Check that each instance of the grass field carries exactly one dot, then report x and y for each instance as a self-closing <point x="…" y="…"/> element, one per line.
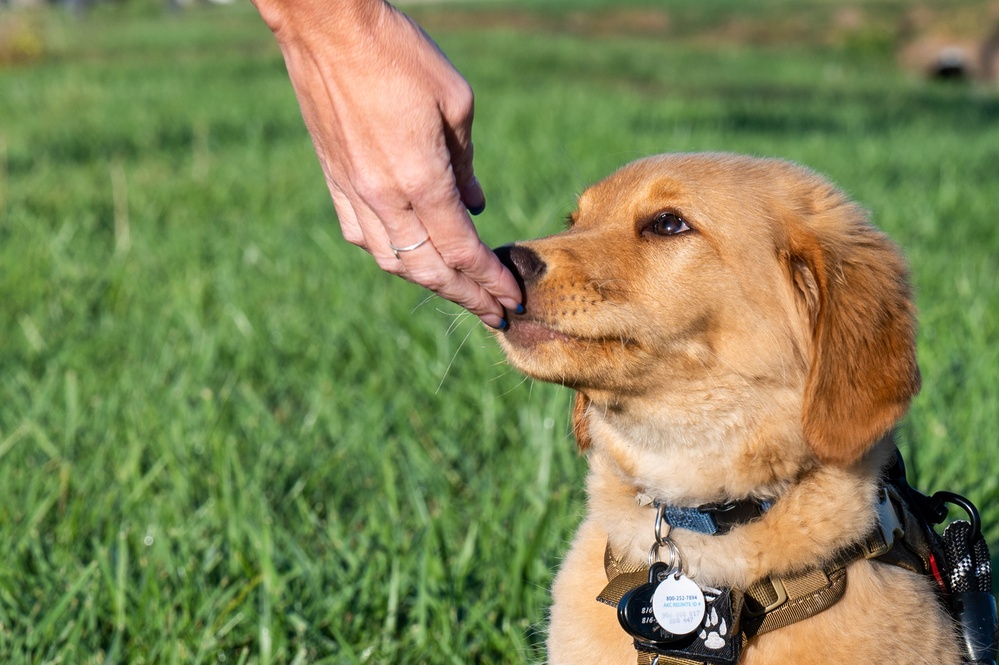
<point x="225" y="436"/>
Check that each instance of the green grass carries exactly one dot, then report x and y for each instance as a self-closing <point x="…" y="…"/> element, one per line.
<point x="225" y="436"/>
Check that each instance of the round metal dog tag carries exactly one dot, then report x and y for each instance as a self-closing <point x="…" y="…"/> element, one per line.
<point x="678" y="604"/>
<point x="634" y="612"/>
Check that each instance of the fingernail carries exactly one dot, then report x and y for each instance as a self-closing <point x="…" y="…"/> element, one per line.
<point x="520" y="309"/>
<point x="510" y="305"/>
<point x="473" y="197"/>
<point x="495" y="322"/>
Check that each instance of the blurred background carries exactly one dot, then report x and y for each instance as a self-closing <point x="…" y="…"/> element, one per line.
<point x="225" y="436"/>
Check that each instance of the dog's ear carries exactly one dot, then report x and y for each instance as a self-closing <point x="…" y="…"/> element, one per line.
<point x="581" y="422"/>
<point x="863" y="373"/>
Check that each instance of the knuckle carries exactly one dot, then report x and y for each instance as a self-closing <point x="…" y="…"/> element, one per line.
<point x="438" y="281"/>
<point x="464" y="99"/>
<point x="413" y="185"/>
<point x="389" y="264"/>
<point x="426" y="183"/>
<point x="438" y="284"/>
<point x="364" y="180"/>
<point x="388" y="193"/>
<point x="462" y="258"/>
<point x="354" y="237"/>
<point x="372" y="186"/>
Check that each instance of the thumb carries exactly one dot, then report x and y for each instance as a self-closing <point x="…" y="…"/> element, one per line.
<point x="469" y="188"/>
<point x="458" y="137"/>
<point x="472" y="196"/>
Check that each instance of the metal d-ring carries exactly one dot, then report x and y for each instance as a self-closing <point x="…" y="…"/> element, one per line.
<point x="943" y="497"/>
<point x="662" y="538"/>
<point x="675" y="563"/>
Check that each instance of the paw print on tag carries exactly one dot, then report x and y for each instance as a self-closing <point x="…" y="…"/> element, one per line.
<point x="715" y="631"/>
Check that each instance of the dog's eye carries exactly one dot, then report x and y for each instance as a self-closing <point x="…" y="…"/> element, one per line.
<point x="667" y="224"/>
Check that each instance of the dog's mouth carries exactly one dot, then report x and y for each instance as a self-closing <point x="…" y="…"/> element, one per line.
<point x="529" y="332"/>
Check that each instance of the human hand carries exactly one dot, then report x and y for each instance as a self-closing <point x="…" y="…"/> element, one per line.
<point x="391" y="120"/>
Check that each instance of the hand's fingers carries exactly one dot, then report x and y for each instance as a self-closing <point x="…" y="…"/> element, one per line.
<point x="481" y="265"/>
<point x="349" y="226"/>
<point x="422" y="265"/>
<point x="461" y="151"/>
<point x="459" y="266"/>
<point x="431" y="193"/>
<point x="457" y="130"/>
<point x="458" y="244"/>
<point x="472" y="196"/>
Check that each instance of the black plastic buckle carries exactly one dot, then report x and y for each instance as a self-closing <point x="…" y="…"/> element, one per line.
<point x="729" y="515"/>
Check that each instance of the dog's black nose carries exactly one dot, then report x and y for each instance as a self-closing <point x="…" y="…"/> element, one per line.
<point x="523" y="262"/>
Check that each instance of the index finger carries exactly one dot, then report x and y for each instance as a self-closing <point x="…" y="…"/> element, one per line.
<point x="457" y="241"/>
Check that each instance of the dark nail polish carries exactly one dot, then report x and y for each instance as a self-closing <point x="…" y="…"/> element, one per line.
<point x="503" y="325"/>
<point x="520" y="309"/>
<point x="477" y="210"/>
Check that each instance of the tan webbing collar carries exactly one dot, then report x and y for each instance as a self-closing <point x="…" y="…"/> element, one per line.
<point x="775" y="601"/>
<point x="769" y="604"/>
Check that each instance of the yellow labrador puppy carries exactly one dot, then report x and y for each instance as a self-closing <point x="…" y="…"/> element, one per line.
<point x="738" y="333"/>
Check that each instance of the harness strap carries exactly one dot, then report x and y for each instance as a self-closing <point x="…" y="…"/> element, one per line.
<point x="904" y="536"/>
<point x="621" y="578"/>
<point x="769" y="604"/>
<point x="773" y="603"/>
<point x="777" y="601"/>
<point x="649" y="658"/>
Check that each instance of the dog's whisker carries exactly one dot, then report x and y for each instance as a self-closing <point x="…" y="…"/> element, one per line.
<point x="455" y="355"/>
<point x="457" y="321"/>
<point x="518" y="385"/>
<point x="609" y="286"/>
<point x="497" y="377"/>
<point x="423" y="302"/>
<point x="579" y="176"/>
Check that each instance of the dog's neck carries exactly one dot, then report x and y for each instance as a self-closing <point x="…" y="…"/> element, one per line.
<point x="727" y="450"/>
<point x="817" y="509"/>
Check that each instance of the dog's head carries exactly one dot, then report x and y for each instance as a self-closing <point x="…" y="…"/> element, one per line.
<point x="710" y="283"/>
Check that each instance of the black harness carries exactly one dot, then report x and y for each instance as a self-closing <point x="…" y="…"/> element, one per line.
<point x="958" y="560"/>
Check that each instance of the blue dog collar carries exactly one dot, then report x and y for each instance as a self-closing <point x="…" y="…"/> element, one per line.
<point x="716" y="518"/>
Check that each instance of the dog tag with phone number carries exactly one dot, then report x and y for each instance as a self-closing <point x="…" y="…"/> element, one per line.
<point x="668" y="607"/>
